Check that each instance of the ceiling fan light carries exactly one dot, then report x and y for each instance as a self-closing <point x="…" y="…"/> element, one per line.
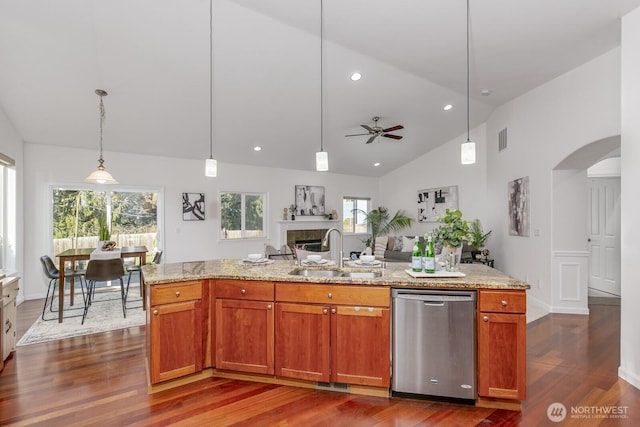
<point x="468" y="152"/>
<point x="211" y="167"/>
<point x="322" y="161"/>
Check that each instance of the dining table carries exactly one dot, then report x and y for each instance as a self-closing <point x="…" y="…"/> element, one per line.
<point x="79" y="254"/>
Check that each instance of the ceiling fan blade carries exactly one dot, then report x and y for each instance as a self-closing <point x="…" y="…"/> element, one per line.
<point x="358" y="134"/>
<point x="391" y="129"/>
<point x="371" y="139"/>
<point x="367" y="128"/>
<point x="386" y="135"/>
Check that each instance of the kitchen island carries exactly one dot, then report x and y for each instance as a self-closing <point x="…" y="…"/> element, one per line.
<point x="261" y="322"/>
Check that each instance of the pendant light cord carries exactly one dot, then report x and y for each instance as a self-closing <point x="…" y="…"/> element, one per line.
<point x="102" y="116"/>
<point x="211" y="79"/>
<point x="321" y="79"/>
<point x="468" y="132"/>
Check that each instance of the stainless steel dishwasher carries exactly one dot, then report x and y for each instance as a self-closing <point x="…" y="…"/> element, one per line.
<point x="434" y="342"/>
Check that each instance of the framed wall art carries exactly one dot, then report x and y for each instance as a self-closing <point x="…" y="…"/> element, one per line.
<point x="193" y="206"/>
<point x="519" y="207"/>
<point x="433" y="202"/>
<point x="309" y="200"/>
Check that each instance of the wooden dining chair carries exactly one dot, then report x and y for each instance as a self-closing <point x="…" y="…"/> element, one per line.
<point x="103" y="270"/>
<point x="53" y="274"/>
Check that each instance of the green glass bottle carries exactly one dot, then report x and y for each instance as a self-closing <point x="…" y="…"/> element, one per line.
<point x="429" y="257"/>
<point x="416" y="256"/>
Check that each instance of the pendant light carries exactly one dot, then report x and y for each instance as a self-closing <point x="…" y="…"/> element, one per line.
<point x="468" y="149"/>
<point x="101" y="176"/>
<point x="211" y="164"/>
<point x="322" y="157"/>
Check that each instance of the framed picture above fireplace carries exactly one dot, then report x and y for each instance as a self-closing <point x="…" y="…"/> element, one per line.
<point x="309" y="200"/>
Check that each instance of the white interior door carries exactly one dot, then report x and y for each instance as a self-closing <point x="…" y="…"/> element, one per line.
<point x="604" y="235"/>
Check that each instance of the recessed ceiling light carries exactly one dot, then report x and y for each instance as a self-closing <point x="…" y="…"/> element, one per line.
<point x="376" y="164"/>
<point x="356" y="76"/>
<point x="257" y="148"/>
<point x="485" y="92"/>
<point x="447" y="107"/>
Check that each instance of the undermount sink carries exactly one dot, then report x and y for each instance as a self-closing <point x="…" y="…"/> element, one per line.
<point x="315" y="273"/>
<point x="336" y="273"/>
<point x="361" y="274"/>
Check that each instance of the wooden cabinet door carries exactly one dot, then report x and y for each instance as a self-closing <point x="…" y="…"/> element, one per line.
<point x="302" y="341"/>
<point x="360" y="348"/>
<point x="502" y="355"/>
<point x="244" y="336"/>
<point x="176" y="340"/>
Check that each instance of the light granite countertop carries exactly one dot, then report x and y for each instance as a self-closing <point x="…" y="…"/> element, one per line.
<point x="477" y="276"/>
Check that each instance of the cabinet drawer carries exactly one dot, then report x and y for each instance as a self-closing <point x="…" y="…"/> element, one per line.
<point x="9" y="290"/>
<point x="240" y="289"/>
<point x="374" y="296"/>
<point x="176" y="292"/>
<point x="502" y="301"/>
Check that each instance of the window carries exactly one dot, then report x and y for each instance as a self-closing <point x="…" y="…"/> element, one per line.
<point x="7" y="215"/>
<point x="354" y="212"/>
<point x="242" y="215"/>
<point x="132" y="217"/>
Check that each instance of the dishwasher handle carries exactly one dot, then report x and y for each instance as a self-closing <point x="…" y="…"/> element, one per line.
<point x="434" y="303"/>
<point x="435" y="298"/>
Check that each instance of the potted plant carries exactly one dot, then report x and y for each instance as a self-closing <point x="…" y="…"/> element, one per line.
<point x="453" y="231"/>
<point x="103" y="230"/>
<point x="382" y="223"/>
<point x="477" y="238"/>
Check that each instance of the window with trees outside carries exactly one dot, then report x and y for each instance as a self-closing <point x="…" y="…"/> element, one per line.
<point x="8" y="233"/>
<point x="354" y="213"/>
<point x="131" y="216"/>
<point x="242" y="215"/>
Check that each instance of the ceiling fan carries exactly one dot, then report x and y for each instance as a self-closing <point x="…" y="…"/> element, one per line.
<point x="376" y="131"/>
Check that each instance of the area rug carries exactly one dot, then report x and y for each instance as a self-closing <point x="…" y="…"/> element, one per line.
<point x="105" y="314"/>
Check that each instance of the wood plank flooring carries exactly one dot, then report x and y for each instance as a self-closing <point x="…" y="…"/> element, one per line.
<point x="99" y="380"/>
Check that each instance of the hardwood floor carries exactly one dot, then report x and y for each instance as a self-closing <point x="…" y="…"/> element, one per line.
<point x="100" y="380"/>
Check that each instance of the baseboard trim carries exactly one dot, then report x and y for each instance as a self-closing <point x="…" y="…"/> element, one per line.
<point x="629" y="377"/>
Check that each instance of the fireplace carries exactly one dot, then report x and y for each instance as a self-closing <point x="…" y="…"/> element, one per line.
<point x="309" y="232"/>
<point x="309" y="240"/>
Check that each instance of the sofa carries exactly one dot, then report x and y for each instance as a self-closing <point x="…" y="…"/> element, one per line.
<point x="399" y="248"/>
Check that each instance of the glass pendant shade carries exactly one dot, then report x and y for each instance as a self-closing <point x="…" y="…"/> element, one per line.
<point x="322" y="161"/>
<point x="468" y="152"/>
<point x="100" y="176"/>
<point x="211" y="167"/>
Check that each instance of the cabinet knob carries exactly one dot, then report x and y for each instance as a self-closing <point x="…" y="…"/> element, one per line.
<point x="243" y="291"/>
<point x="155" y="312"/>
<point x="485" y="318"/>
<point x="329" y="295"/>
<point x="177" y="294"/>
<point x="333" y="311"/>
<point x="504" y="303"/>
<point x="324" y="311"/>
<point x="269" y="307"/>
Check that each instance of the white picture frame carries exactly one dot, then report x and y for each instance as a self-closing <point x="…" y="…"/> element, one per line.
<point x="433" y="202"/>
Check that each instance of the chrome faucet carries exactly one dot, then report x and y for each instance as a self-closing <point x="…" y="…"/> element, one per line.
<point x="326" y="240"/>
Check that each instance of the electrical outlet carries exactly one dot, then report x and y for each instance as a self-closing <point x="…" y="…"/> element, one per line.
<point x="539" y="283"/>
<point x="536" y="232"/>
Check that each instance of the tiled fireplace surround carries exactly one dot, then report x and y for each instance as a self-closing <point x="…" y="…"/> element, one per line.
<point x="309" y="229"/>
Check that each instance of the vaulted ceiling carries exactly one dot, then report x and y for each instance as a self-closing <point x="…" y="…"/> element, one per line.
<point x="152" y="56"/>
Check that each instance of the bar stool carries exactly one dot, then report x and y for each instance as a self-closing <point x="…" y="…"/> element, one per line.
<point x="138" y="269"/>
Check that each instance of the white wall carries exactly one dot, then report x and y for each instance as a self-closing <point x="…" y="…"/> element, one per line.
<point x="545" y="126"/>
<point x="440" y="168"/>
<point x="630" y="206"/>
<point x="182" y="240"/>
<point x="11" y="145"/>
<point x="605" y="168"/>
